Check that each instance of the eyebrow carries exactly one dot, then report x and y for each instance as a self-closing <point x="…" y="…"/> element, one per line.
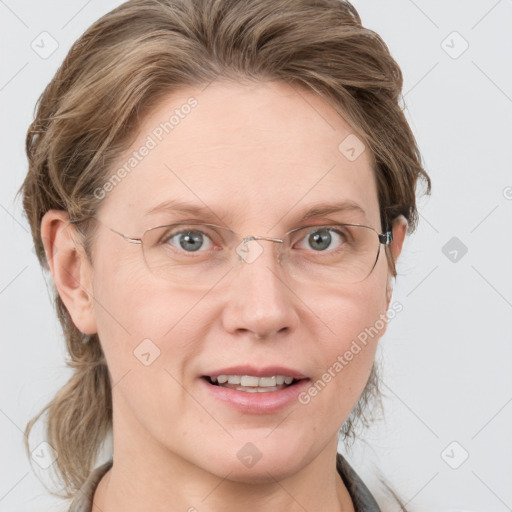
<point x="315" y="210"/>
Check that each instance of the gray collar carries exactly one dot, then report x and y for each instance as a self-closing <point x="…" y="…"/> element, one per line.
<point x="360" y="494"/>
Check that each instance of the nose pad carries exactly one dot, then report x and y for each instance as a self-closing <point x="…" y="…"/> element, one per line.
<point x="249" y="250"/>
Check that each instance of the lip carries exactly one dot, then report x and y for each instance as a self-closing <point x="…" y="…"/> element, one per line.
<point x="267" y="371"/>
<point x="257" y="403"/>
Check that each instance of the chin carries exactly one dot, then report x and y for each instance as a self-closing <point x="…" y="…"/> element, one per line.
<point x="254" y="463"/>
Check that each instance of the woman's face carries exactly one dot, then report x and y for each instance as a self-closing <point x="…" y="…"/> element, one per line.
<point x="256" y="158"/>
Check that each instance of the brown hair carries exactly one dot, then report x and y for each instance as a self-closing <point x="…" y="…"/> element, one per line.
<point x="142" y="51"/>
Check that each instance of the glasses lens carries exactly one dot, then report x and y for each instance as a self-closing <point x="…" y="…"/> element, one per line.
<point x="192" y="255"/>
<point x="199" y="255"/>
<point x="333" y="254"/>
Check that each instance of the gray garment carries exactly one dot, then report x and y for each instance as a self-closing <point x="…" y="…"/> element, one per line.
<point x="361" y="496"/>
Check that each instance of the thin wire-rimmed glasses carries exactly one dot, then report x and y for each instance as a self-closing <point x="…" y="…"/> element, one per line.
<point x="196" y="254"/>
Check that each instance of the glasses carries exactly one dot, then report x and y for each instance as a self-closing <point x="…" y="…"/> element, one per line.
<point x="197" y="255"/>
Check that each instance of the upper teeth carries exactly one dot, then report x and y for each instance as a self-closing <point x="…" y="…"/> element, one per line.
<point x="249" y="380"/>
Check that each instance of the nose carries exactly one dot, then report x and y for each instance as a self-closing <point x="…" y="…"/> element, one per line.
<point x="259" y="299"/>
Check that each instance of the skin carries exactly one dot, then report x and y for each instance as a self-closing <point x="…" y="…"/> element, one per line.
<point x="175" y="452"/>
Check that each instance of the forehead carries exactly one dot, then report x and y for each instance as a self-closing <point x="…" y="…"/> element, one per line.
<point x="261" y="152"/>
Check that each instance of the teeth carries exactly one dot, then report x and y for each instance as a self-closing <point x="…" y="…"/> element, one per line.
<point x="267" y="381"/>
<point x="259" y="390"/>
<point x="250" y="381"/>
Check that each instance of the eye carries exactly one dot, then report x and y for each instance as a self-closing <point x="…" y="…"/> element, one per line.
<point x="323" y="238"/>
<point x="190" y="240"/>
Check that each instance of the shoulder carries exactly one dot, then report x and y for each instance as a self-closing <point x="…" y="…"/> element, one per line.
<point x="82" y="502"/>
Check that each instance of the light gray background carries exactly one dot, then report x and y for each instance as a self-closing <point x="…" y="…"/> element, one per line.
<point x="447" y="355"/>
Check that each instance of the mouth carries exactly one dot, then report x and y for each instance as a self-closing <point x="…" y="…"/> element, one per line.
<point x="252" y="383"/>
<point x="253" y="390"/>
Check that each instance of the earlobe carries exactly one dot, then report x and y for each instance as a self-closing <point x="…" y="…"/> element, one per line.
<point x="69" y="267"/>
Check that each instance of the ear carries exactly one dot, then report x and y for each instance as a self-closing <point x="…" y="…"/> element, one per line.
<point x="70" y="268"/>
<point x="399" y="229"/>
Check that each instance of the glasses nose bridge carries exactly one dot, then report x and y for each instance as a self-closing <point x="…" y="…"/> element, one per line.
<point x="255" y="237"/>
<point x="248" y="255"/>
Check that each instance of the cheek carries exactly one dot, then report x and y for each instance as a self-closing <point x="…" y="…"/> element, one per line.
<point x="356" y="319"/>
<point x="124" y="305"/>
<point x="356" y="310"/>
<point x="138" y="314"/>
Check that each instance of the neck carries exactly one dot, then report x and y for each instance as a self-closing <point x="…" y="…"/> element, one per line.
<point x="147" y="476"/>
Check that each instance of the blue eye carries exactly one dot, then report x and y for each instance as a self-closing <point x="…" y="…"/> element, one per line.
<point x="321" y="239"/>
<point x="190" y="240"/>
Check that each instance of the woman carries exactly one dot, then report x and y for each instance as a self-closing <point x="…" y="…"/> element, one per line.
<point x="220" y="191"/>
